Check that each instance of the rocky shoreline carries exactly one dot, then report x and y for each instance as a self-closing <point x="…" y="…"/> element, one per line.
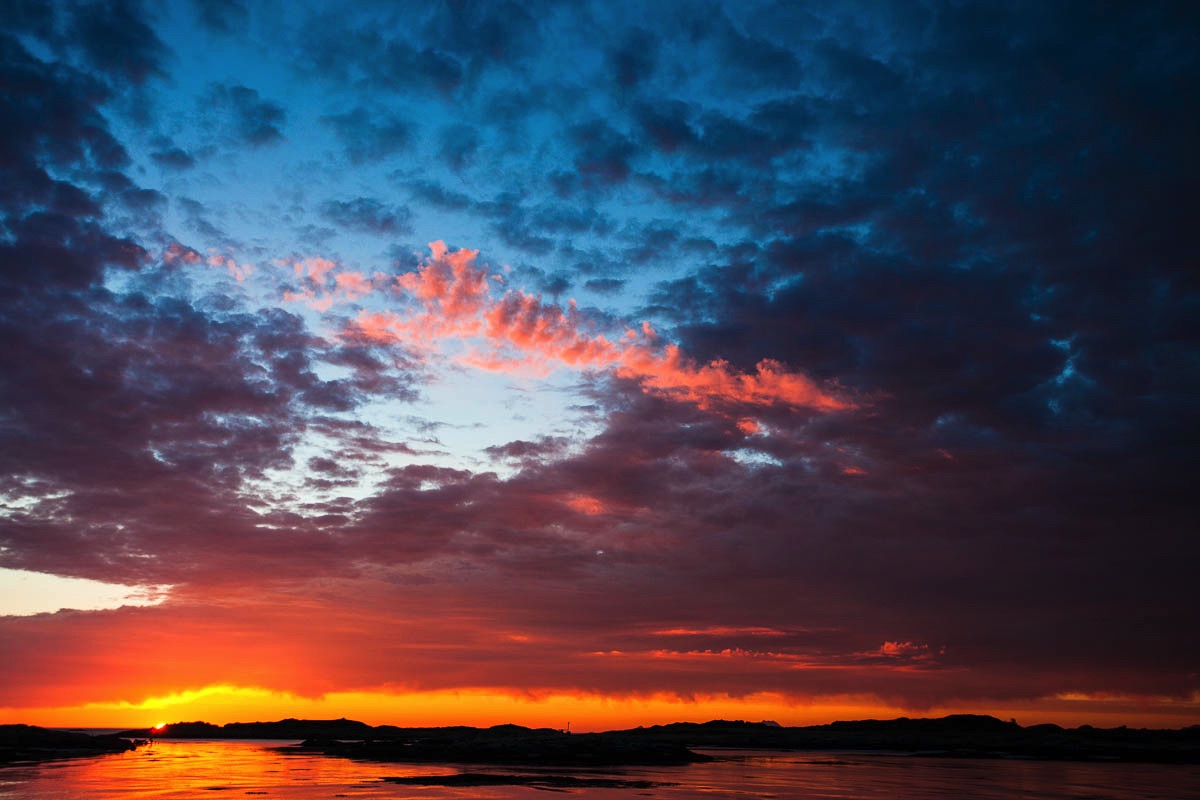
<point x="962" y="735"/>
<point x="30" y="744"/>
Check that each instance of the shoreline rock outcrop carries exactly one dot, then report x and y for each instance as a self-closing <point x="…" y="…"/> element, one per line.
<point x="31" y="744"/>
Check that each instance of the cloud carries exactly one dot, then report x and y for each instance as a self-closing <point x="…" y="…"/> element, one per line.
<point x="368" y="215"/>
<point x="173" y="158"/>
<point x="440" y="53"/>
<point x="116" y="40"/>
<point x="248" y="118"/>
<point x="449" y="297"/>
<point x="633" y="61"/>
<point x="439" y="196"/>
<point x="602" y="154"/>
<point x="459" y="144"/>
<point x="222" y="16"/>
<point x="370" y="137"/>
<point x="604" y="285"/>
<point x="38" y="19"/>
<point x="519" y="449"/>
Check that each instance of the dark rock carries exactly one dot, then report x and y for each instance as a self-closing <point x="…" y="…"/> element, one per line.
<point x="536" y="781"/>
<point x="510" y="744"/>
<point x="959" y="735"/>
<point x="20" y="743"/>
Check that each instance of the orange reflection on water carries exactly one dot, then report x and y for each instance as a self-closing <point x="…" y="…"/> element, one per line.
<point x="192" y="768"/>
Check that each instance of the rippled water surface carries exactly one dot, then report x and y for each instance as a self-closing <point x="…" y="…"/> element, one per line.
<point x="215" y="769"/>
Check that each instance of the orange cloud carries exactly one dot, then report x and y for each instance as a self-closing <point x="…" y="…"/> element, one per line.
<point x="586" y="505"/>
<point x="722" y="630"/>
<point x="450" y="298"/>
<point x="748" y="426"/>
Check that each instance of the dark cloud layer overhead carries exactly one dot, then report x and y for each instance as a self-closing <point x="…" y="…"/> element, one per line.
<point x="815" y="350"/>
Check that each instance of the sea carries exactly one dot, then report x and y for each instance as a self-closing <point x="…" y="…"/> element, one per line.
<point x="168" y="769"/>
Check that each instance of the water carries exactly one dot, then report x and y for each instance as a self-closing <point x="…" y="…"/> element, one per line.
<point x="213" y="769"/>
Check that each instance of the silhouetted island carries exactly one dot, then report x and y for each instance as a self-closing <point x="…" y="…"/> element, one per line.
<point x="960" y="735"/>
<point x="28" y="743"/>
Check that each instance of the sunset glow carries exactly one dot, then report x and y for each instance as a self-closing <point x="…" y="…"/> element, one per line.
<point x="605" y="364"/>
<point x="478" y="707"/>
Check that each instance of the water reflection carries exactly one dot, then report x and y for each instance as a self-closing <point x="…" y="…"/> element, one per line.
<point x="189" y="769"/>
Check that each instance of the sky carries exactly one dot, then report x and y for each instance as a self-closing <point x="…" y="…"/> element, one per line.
<point x="598" y="362"/>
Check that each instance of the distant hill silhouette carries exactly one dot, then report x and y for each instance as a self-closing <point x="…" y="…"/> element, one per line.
<point x="959" y="735"/>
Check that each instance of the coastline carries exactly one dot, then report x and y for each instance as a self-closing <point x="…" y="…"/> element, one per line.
<point x="956" y="736"/>
<point x="26" y="744"/>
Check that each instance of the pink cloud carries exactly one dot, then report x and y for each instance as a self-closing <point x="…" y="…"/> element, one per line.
<point x="176" y="252"/>
<point x="239" y="272"/>
<point x="451" y="297"/>
<point x="315" y="302"/>
<point x="352" y="285"/>
<point x="586" y="505"/>
<point x="314" y="268"/>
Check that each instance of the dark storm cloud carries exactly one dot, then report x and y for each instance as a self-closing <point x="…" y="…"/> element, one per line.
<point x="604" y="285"/>
<point x="842" y="545"/>
<point x="458" y="145"/>
<point x="537" y="228"/>
<point x="602" y="154"/>
<point x="440" y="50"/>
<point x="367" y="214"/>
<point x="142" y="414"/>
<point x="633" y="61"/>
<point x="522" y="450"/>
<point x="199" y="218"/>
<point x="126" y="195"/>
<point x="170" y="156"/>
<point x="751" y="61"/>
<point x="438" y="196"/>
<point x="373" y="372"/>
<point x="116" y="39"/>
<point x="31" y="16"/>
<point x="985" y="239"/>
<point x="667" y="124"/>
<point x="248" y="118"/>
<point x="222" y="16"/>
<point x="485" y="35"/>
<point x="147" y="400"/>
<point x="53" y="235"/>
<point x="653" y="241"/>
<point x="980" y="252"/>
<point x="335" y="47"/>
<point x="369" y="137"/>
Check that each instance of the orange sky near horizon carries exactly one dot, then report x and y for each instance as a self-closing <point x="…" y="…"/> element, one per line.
<point x="220" y="704"/>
